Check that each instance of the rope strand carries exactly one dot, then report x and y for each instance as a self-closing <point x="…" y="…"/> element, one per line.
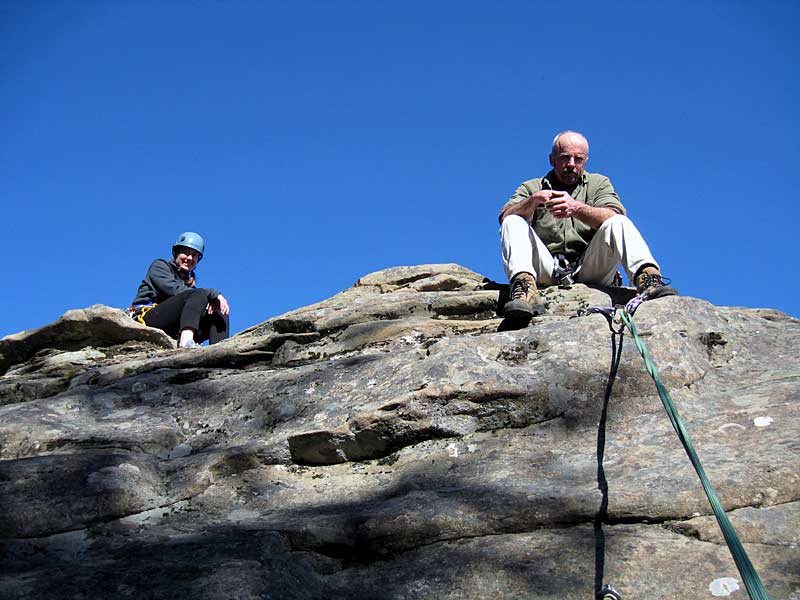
<point x="752" y="582"/>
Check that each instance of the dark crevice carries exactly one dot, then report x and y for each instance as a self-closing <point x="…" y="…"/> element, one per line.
<point x="360" y="554"/>
<point x="695" y="535"/>
<point x="55" y="448"/>
<point x="324" y="448"/>
<point x="103" y="520"/>
<point x="681" y="527"/>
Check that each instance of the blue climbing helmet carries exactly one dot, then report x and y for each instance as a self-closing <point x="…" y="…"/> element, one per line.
<point x="190" y="239"/>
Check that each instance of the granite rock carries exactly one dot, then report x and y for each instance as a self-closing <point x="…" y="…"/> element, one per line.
<point x="397" y="441"/>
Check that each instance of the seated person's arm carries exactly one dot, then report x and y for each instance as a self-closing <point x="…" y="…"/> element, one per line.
<point x="594" y="216"/>
<point x="602" y="206"/>
<point x="524" y="203"/>
<point x="164" y="279"/>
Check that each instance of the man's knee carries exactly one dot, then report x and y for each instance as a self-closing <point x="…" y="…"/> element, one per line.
<point x="514" y="221"/>
<point x="615" y="222"/>
<point x="619" y="228"/>
<point x="514" y="227"/>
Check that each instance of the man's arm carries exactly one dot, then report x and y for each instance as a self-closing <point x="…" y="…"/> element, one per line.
<point x="561" y="205"/>
<point x="526" y="207"/>
<point x="520" y="203"/>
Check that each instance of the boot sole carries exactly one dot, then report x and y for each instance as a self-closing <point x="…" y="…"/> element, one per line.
<point x="519" y="310"/>
<point x="662" y="292"/>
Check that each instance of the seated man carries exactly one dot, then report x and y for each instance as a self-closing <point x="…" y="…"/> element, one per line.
<point x="571" y="224"/>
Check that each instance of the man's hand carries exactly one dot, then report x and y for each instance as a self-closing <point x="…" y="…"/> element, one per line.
<point x="561" y="205"/>
<point x="219" y="305"/>
<point x="526" y="208"/>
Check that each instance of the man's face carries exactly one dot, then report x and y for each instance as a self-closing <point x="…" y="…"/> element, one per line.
<point x="569" y="158"/>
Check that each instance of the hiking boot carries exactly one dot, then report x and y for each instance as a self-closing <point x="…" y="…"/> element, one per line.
<point x="525" y="301"/>
<point x="651" y="285"/>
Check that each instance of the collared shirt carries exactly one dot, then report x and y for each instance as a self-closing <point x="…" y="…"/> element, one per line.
<point x="568" y="236"/>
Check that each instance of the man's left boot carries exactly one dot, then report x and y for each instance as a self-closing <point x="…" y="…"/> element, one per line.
<point x="650" y="284"/>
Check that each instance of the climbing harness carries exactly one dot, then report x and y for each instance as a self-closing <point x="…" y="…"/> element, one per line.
<point x="623" y="318"/>
<point x="565" y="270"/>
<point x="138" y="311"/>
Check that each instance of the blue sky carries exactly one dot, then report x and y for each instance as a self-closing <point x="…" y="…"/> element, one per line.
<point x="314" y="142"/>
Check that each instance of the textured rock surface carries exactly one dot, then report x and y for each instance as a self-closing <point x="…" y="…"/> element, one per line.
<point x="41" y="362"/>
<point x="394" y="442"/>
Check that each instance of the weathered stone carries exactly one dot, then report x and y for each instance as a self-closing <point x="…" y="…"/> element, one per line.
<point x="774" y="525"/>
<point x="387" y="335"/>
<point x="394" y="442"/>
<point x="31" y="387"/>
<point x="98" y="326"/>
<point x="344" y="310"/>
<point x="46" y="374"/>
<point x="559" y="564"/>
<point x="87" y="487"/>
<point x="439" y="277"/>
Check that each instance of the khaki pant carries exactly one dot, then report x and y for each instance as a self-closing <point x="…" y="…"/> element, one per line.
<point x="617" y="242"/>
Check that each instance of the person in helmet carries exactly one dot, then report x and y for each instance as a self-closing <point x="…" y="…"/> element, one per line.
<point x="168" y="298"/>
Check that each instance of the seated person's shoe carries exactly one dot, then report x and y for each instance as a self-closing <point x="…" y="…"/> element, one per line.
<point x="525" y="301"/>
<point x="651" y="285"/>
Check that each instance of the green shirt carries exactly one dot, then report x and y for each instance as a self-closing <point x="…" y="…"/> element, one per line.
<point x="568" y="236"/>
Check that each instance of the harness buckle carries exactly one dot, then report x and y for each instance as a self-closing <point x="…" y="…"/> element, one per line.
<point x="564" y="271"/>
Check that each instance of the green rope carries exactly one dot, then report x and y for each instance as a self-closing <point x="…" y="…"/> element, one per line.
<point x="749" y="575"/>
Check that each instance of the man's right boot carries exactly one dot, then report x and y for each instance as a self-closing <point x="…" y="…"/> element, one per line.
<point x="525" y="301"/>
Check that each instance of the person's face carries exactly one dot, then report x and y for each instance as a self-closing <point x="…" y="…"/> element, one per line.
<point x="568" y="159"/>
<point x="186" y="258"/>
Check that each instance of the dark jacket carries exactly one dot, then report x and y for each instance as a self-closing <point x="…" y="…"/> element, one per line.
<point x="163" y="280"/>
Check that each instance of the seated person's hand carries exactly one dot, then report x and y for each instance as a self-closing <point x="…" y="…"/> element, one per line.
<point x="219" y="305"/>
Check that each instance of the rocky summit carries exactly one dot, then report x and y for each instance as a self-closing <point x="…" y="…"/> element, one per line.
<point x="397" y="441"/>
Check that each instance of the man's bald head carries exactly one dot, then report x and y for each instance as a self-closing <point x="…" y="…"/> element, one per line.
<point x="568" y="157"/>
<point x="569" y="137"/>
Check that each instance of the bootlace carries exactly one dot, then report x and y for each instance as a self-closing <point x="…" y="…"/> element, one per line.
<point x="649" y="280"/>
<point x="520" y="288"/>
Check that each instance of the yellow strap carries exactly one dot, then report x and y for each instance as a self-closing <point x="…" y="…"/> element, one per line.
<point x="141" y="311"/>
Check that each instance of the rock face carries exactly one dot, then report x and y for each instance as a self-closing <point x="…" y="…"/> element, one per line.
<point x="41" y="362"/>
<point x="394" y="442"/>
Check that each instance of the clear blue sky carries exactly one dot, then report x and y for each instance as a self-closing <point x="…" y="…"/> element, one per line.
<point x="313" y="142"/>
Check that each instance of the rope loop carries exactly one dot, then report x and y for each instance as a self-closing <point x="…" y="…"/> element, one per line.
<point x="610" y="313"/>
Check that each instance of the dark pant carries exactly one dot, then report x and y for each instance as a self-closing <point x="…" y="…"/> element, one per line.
<point x="187" y="310"/>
